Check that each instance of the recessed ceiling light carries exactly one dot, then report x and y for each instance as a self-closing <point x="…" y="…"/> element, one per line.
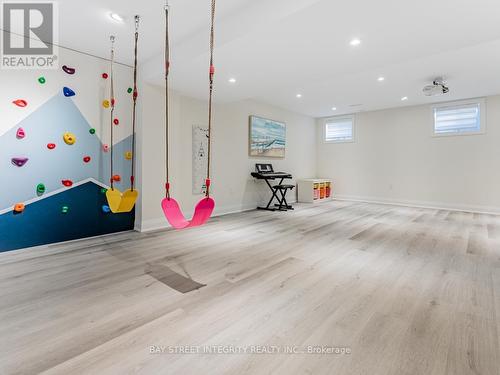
<point x="298" y="96"/>
<point x="404" y="98"/>
<point x="232" y="80"/>
<point x="355" y="42"/>
<point x="116" y="17"/>
<point x="381" y="79"/>
<point x="334" y="108"/>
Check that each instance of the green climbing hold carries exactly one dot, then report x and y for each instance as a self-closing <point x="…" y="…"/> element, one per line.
<point x="42" y="80"/>
<point x="103" y="191"/>
<point x="129" y="90"/>
<point x="92" y="131"/>
<point x="65" y="209"/>
<point x="40" y="189"/>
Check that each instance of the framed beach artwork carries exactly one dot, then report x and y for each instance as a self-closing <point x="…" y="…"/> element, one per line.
<point x="267" y="138"/>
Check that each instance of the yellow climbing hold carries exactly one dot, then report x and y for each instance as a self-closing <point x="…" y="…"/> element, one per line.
<point x="105" y="103"/>
<point x="69" y="138"/>
<point x="128" y="155"/>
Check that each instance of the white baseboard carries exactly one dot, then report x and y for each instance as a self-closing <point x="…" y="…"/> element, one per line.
<point x="492" y="210"/>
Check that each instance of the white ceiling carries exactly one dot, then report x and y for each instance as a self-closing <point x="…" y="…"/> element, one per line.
<point x="278" y="48"/>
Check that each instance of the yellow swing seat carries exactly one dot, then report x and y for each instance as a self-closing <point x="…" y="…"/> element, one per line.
<point x="119" y="202"/>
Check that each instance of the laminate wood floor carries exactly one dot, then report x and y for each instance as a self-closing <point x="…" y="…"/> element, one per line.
<point x="380" y="290"/>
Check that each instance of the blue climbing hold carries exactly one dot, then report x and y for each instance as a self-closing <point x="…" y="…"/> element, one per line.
<point x="106" y="209"/>
<point x="68" y="92"/>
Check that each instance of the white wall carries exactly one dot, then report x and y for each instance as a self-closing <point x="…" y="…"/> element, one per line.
<point x="232" y="186"/>
<point x="396" y="159"/>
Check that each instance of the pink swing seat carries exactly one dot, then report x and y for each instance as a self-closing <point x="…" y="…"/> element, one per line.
<point x="175" y="217"/>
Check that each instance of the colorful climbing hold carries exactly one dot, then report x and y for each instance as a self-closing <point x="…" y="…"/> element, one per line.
<point x="105" y="103"/>
<point x="68" y="70"/>
<point x="67" y="183"/>
<point x="103" y="190"/>
<point x="42" y="80"/>
<point x="129" y="90"/>
<point x="20" y="103"/>
<point x="105" y="148"/>
<point x="105" y="75"/>
<point x="92" y="131"/>
<point x="106" y="209"/>
<point x="40" y="189"/>
<point x="19" y="207"/>
<point x="128" y="155"/>
<point x="86" y="159"/>
<point x="116" y="121"/>
<point x="64" y="209"/>
<point x="51" y="146"/>
<point x="68" y="92"/>
<point x="69" y="138"/>
<point x="19" y="162"/>
<point x="20" y="134"/>
<point x="117" y="178"/>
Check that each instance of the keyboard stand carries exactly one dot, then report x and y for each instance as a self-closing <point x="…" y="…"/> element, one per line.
<point x="282" y="204"/>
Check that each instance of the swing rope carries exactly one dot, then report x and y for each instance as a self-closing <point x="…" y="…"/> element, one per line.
<point x="210" y="98"/>
<point x="134" y="96"/>
<point x="112" y="98"/>
<point x="211" y="88"/>
<point x="167" y="69"/>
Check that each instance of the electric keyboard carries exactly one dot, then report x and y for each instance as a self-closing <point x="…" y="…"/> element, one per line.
<point x="270" y="175"/>
<point x="266" y="172"/>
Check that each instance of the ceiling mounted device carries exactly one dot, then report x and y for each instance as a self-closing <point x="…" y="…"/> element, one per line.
<point x="438" y="87"/>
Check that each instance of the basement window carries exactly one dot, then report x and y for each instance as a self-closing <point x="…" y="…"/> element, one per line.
<point x="339" y="129"/>
<point x="459" y="118"/>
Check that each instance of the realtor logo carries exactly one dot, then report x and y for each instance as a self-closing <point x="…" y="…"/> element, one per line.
<point x="29" y="35"/>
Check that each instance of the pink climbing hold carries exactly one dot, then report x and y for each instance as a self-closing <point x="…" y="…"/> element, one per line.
<point x="105" y="148"/>
<point x="20" y="134"/>
<point x="20" y="103"/>
<point x="86" y="159"/>
<point x="51" y="146"/>
<point x="67" y="183"/>
<point x="19" y="162"/>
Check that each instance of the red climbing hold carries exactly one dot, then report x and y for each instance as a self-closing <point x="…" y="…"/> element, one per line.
<point x="20" y="103"/>
<point x="20" y="134"/>
<point x="51" y="146"/>
<point x="86" y="159"/>
<point x="116" y="121"/>
<point x="105" y="75"/>
<point x="67" y="183"/>
<point x="117" y="178"/>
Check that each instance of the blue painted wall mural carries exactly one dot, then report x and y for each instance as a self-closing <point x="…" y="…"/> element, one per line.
<point x="84" y="163"/>
<point x="44" y="222"/>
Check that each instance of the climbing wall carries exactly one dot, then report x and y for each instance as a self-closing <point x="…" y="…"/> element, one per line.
<point x="55" y="151"/>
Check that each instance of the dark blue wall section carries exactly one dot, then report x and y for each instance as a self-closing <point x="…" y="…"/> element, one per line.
<point x="43" y="222"/>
